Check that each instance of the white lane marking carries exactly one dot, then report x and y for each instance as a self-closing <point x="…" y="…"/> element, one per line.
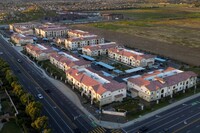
<point x="164" y="124"/>
<point x="184" y="120"/>
<point x="56" y="112"/>
<point x="162" y="118"/>
<point x="54" y="119"/>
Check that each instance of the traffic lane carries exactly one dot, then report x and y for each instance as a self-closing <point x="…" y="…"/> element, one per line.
<point x="55" y="119"/>
<point x="192" y="127"/>
<point x="175" y="122"/>
<point x="167" y="116"/>
<point x="32" y="88"/>
<point x="155" y="119"/>
<point x="62" y="101"/>
<point x="46" y="101"/>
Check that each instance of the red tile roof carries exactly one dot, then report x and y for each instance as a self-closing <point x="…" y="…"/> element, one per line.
<point x="158" y="83"/>
<point x="85" y="38"/>
<point x="97" y="86"/>
<point x="61" y="58"/>
<point x="123" y="52"/>
<point x="97" y="47"/>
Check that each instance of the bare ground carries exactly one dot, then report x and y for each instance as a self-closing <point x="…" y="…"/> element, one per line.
<point x="184" y="54"/>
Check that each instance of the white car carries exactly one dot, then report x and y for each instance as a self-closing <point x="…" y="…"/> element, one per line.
<point x="40" y="96"/>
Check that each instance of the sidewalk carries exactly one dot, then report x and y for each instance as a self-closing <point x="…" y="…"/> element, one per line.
<point x="111" y="125"/>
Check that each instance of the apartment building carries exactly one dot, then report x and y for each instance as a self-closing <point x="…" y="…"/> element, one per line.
<point x="30" y="25"/>
<point x="24" y="30"/>
<point x="60" y="40"/>
<point x="98" y="50"/>
<point x="77" y="33"/>
<point x="157" y="84"/>
<point x="131" y="57"/>
<point x="65" y="61"/>
<point x="21" y="39"/>
<point x="95" y="86"/>
<point x="79" y="42"/>
<point x="51" y="31"/>
<point x="39" y="51"/>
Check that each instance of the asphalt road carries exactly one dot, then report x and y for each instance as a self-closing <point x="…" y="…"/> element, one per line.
<point x="184" y="118"/>
<point x="60" y="110"/>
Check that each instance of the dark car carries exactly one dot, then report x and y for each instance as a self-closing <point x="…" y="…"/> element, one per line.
<point x="165" y="130"/>
<point x="47" y="90"/>
<point x="142" y="129"/>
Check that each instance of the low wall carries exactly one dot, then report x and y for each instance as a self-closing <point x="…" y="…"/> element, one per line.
<point x="114" y="113"/>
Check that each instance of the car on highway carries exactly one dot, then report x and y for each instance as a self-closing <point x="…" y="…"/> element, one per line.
<point x="40" y="96"/>
<point x="47" y="90"/>
<point x="143" y="129"/>
<point x="165" y="130"/>
<point x="18" y="60"/>
<point x="1" y="53"/>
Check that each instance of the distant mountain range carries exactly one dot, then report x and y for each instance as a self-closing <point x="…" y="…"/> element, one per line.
<point x="136" y="1"/>
<point x="154" y="1"/>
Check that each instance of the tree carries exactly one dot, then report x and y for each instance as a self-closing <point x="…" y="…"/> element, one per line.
<point x="9" y="76"/>
<point x="13" y="84"/>
<point x="47" y="131"/>
<point x="18" y="91"/>
<point x="26" y="98"/>
<point x="33" y="109"/>
<point x="40" y="123"/>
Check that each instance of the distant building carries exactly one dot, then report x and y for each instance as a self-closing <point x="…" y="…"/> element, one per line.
<point x="29" y="25"/>
<point x="51" y="31"/>
<point x="21" y="39"/>
<point x="65" y="61"/>
<point x="131" y="57"/>
<point x="39" y="51"/>
<point x="99" y="49"/>
<point x="112" y="16"/>
<point x="95" y="86"/>
<point x="158" y="84"/>
<point x="78" y="33"/>
<point x="24" y="30"/>
<point x="79" y="42"/>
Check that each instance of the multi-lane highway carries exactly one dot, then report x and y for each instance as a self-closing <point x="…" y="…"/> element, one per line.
<point x="184" y="118"/>
<point x="60" y="110"/>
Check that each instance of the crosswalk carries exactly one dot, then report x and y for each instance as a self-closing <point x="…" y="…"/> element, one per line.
<point x="98" y="130"/>
<point x="116" y="131"/>
<point x="103" y="130"/>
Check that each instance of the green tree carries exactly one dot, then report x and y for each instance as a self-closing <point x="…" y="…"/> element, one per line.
<point x="33" y="109"/>
<point x="26" y="98"/>
<point x="40" y="123"/>
<point x="10" y="77"/>
<point x="13" y="84"/>
<point x="18" y="91"/>
<point x="47" y="131"/>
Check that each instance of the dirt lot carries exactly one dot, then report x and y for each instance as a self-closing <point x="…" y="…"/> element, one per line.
<point x="181" y="53"/>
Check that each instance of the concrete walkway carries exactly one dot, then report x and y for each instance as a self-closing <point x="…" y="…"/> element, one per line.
<point x="111" y="125"/>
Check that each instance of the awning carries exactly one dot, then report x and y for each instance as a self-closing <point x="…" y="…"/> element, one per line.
<point x="134" y="70"/>
<point x="88" y="57"/>
<point x="105" y="65"/>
